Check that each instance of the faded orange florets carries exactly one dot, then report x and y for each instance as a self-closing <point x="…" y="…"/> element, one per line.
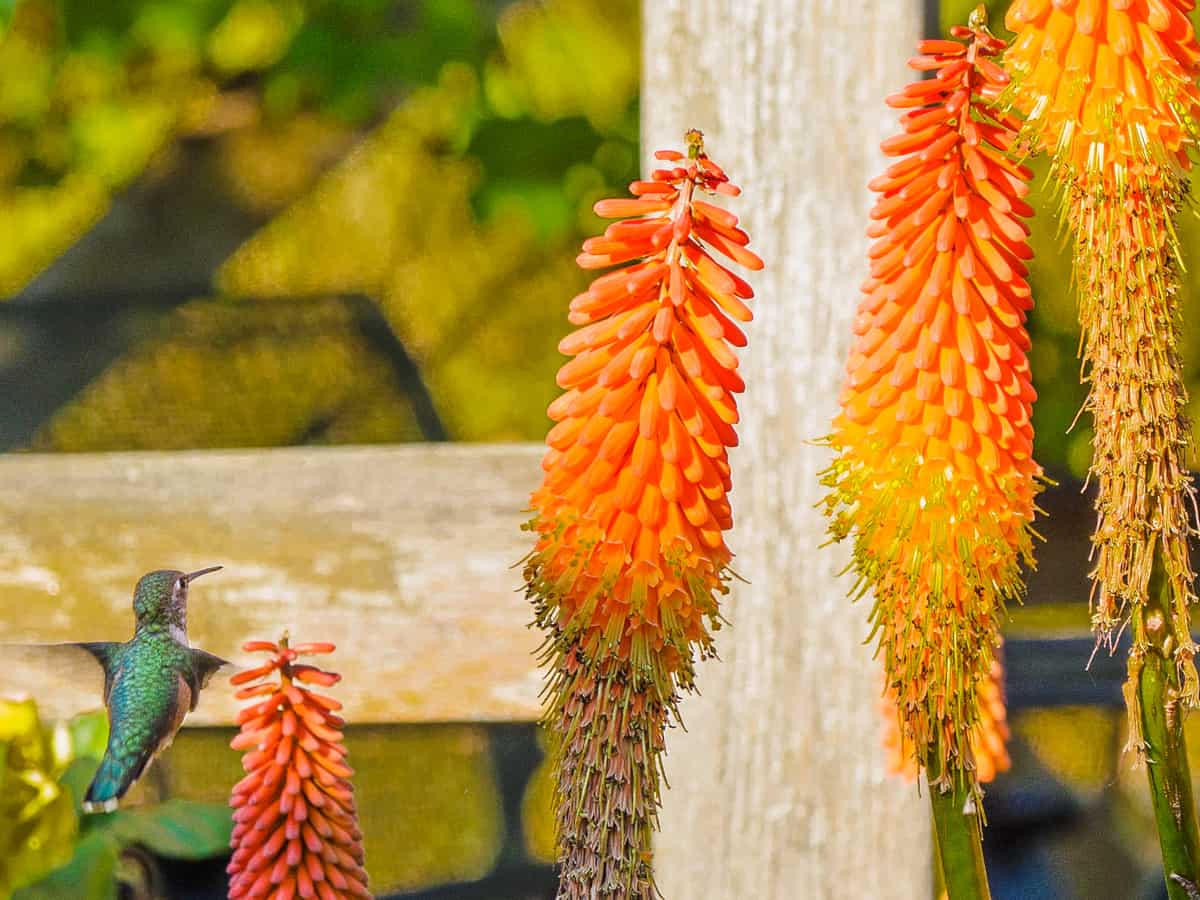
<point x="1106" y="82"/>
<point x="631" y="514"/>
<point x="989" y="739"/>
<point x="933" y="474"/>
<point x="295" y="824"/>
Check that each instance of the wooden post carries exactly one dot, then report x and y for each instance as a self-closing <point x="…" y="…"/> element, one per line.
<point x="777" y="788"/>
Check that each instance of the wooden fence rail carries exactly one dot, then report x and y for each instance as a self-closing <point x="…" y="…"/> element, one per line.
<point x="403" y="556"/>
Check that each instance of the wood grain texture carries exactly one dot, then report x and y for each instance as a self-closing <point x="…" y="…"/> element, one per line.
<point x="777" y="788"/>
<point x="403" y="556"/>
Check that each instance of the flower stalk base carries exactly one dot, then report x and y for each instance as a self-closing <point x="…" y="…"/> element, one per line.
<point x="958" y="838"/>
<point x="1158" y="685"/>
<point x="613" y="734"/>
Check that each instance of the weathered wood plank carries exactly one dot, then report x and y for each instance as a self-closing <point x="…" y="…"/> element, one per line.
<point x="777" y="788"/>
<point x="403" y="556"/>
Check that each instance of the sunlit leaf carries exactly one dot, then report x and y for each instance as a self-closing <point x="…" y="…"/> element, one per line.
<point x="38" y="822"/>
<point x="40" y="223"/>
<point x="254" y="34"/>
<point x="543" y="44"/>
<point x="335" y="239"/>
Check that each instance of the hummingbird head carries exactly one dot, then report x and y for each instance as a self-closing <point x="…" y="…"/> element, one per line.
<point x="160" y="599"/>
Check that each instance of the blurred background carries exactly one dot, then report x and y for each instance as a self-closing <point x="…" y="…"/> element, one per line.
<point x="258" y="223"/>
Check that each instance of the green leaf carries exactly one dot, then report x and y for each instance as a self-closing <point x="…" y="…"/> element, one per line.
<point x="543" y="202"/>
<point x="77" y="777"/>
<point x="38" y="824"/>
<point x="529" y="148"/>
<point x="89" y="734"/>
<point x="90" y="875"/>
<point x="179" y="829"/>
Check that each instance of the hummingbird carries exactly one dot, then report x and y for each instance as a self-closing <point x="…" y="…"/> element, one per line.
<point x="151" y="682"/>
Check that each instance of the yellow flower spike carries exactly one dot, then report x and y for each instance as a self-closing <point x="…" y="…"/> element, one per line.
<point x="933" y="474"/>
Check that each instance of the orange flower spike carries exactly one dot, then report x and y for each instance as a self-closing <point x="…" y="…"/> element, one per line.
<point x="295" y="824"/>
<point x="630" y="556"/>
<point x="637" y="465"/>
<point x="933" y="474"/>
<point x="1104" y="82"/>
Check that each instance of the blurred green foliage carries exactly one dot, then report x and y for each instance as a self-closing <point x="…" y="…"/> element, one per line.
<point x="440" y="156"/>
<point x="1086" y="749"/>
<point x="537" y="806"/>
<point x="38" y="821"/>
<point x="1073" y="742"/>
<point x="111" y="847"/>
<point x="48" y="849"/>
<point x="312" y="376"/>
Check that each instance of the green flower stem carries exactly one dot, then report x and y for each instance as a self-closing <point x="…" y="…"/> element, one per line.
<point x="1158" y="689"/>
<point x="958" y="836"/>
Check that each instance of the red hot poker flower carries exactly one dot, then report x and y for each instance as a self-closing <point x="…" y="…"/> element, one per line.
<point x="633" y="508"/>
<point x="934" y="475"/>
<point x="630" y="518"/>
<point x="1110" y="89"/>
<point x="295" y="824"/>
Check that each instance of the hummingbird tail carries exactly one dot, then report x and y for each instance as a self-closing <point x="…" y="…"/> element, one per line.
<point x="105" y="806"/>
<point x="112" y="780"/>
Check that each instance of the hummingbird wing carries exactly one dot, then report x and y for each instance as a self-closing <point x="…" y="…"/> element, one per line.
<point x="204" y="666"/>
<point x="65" y="679"/>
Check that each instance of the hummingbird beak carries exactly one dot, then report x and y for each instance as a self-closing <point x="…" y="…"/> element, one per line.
<point x="191" y="576"/>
